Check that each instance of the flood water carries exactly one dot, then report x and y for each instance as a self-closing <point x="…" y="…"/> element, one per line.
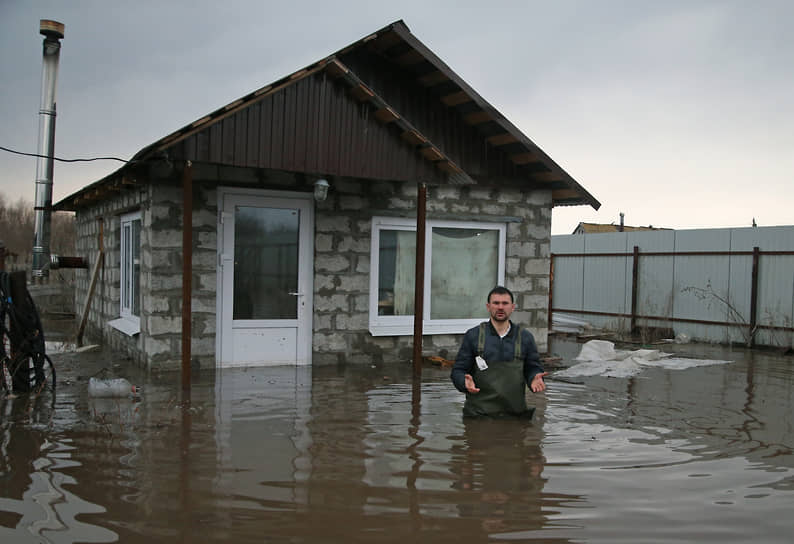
<point x="362" y="454"/>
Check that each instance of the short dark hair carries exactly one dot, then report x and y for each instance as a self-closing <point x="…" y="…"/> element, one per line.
<point x="499" y="290"/>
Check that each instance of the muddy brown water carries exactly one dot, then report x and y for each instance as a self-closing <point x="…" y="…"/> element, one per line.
<point x="364" y="454"/>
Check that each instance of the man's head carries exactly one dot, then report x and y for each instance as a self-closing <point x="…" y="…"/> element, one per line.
<point x="500" y="303"/>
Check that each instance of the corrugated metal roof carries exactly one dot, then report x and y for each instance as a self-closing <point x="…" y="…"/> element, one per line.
<point x="396" y="43"/>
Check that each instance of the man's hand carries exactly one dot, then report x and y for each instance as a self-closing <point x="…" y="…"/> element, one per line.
<point x="538" y="384"/>
<point x="470" y="387"/>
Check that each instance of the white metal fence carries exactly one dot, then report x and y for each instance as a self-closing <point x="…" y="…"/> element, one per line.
<point x="714" y="285"/>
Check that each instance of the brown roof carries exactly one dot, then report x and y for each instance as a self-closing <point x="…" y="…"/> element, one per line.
<point x="396" y="44"/>
<point x="602" y="227"/>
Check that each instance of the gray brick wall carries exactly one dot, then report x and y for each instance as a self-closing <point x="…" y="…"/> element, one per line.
<point x="342" y="265"/>
<point x="342" y="259"/>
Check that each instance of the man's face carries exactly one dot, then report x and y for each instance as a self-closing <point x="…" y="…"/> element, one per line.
<point x="500" y="307"/>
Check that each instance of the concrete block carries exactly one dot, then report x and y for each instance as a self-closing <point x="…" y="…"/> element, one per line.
<point x="326" y="223"/>
<point x="331" y="263"/>
<point x="358" y="322"/>
<point x="156" y="324"/>
<point x="537" y="267"/>
<point x="323" y="243"/>
<point x="357" y="245"/>
<point x="332" y="303"/>
<point x="330" y="342"/>
<point x="520" y="249"/>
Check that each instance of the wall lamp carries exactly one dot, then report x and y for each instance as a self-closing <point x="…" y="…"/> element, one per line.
<point x="320" y="190"/>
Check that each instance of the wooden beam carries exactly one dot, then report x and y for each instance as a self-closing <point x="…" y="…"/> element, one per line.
<point x="362" y="93"/>
<point x="233" y="105"/>
<point x="413" y="137"/>
<point x="448" y="166"/>
<point x="335" y="68"/>
<point x="524" y="158"/>
<point x="477" y="117"/>
<point x="454" y="99"/>
<point x="187" y="276"/>
<point x="432" y="78"/>
<point x="547" y="177"/>
<point x="419" y="274"/>
<point x="411" y="57"/>
<point x="564" y="194"/>
<point x="502" y="139"/>
<point x="87" y="304"/>
<point x="299" y="74"/>
<point x="431" y="153"/>
<point x="386" y="115"/>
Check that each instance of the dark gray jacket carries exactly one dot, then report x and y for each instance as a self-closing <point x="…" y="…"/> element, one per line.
<point x="496" y="349"/>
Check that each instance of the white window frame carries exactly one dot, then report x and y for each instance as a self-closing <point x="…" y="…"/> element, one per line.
<point x="128" y="322"/>
<point x="401" y="325"/>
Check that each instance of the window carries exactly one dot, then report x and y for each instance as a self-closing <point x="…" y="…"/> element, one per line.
<point x="130" y="261"/>
<point x="463" y="261"/>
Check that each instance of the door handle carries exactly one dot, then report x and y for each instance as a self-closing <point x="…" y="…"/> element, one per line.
<point x="296" y="294"/>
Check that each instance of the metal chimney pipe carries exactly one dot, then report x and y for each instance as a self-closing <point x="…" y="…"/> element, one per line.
<point x="621" y="222"/>
<point x="53" y="33"/>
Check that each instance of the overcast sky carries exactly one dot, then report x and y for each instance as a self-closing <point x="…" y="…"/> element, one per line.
<point x="679" y="113"/>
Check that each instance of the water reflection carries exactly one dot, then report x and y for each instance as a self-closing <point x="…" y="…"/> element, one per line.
<point x="34" y="504"/>
<point x="365" y="453"/>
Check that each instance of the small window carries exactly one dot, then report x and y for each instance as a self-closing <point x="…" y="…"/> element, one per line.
<point x="130" y="262"/>
<point x="463" y="261"/>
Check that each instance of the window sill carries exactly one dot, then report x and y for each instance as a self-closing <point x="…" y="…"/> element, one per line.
<point x="130" y="327"/>
<point x="428" y="327"/>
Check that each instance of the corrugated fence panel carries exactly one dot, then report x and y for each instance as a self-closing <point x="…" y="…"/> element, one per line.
<point x="568" y="272"/>
<point x="700" y="282"/>
<point x="605" y="280"/>
<point x="741" y="268"/>
<point x="775" y="281"/>
<point x="685" y="288"/>
<point x="655" y="281"/>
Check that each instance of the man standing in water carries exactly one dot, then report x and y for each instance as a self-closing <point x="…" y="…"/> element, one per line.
<point x="494" y="362"/>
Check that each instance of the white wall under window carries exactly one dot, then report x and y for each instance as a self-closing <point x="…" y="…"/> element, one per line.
<point x="463" y="261"/>
<point x="130" y="250"/>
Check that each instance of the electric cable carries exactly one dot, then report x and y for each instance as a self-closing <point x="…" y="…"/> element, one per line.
<point x="64" y="160"/>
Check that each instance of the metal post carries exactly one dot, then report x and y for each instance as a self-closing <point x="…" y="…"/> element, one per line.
<point x="754" y="296"/>
<point x="419" y="286"/>
<point x="53" y="33"/>
<point x="551" y="291"/>
<point x="635" y="279"/>
<point x="187" y="274"/>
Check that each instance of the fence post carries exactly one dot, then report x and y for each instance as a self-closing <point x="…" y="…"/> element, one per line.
<point x="754" y="296"/>
<point x="634" y="286"/>
<point x="551" y="290"/>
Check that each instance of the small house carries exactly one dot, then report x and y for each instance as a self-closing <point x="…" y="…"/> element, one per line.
<point x="282" y="227"/>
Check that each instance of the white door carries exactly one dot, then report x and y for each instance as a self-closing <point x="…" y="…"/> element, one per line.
<point x="265" y="247"/>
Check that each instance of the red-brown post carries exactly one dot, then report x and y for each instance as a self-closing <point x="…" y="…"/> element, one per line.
<point x="187" y="274"/>
<point x="551" y="290"/>
<point x="419" y="286"/>
<point x="635" y="279"/>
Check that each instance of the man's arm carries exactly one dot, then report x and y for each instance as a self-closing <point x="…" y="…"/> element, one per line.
<point x="533" y="371"/>
<point x="464" y="362"/>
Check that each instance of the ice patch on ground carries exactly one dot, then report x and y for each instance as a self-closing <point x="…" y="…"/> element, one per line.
<point x="600" y="358"/>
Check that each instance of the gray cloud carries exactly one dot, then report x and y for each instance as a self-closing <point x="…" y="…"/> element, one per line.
<point x="677" y="113"/>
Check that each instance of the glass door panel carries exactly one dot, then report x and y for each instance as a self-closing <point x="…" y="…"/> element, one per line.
<point x="266" y="243"/>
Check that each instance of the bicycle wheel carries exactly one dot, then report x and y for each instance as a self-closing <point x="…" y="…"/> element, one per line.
<point x="32" y="373"/>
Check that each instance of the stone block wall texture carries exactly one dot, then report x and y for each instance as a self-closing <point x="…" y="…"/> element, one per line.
<point x="342" y="261"/>
<point x="342" y="264"/>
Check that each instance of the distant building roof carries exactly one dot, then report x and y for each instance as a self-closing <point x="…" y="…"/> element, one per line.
<point x="586" y="228"/>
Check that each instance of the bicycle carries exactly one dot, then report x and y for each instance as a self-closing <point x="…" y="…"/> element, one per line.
<point x="25" y="366"/>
